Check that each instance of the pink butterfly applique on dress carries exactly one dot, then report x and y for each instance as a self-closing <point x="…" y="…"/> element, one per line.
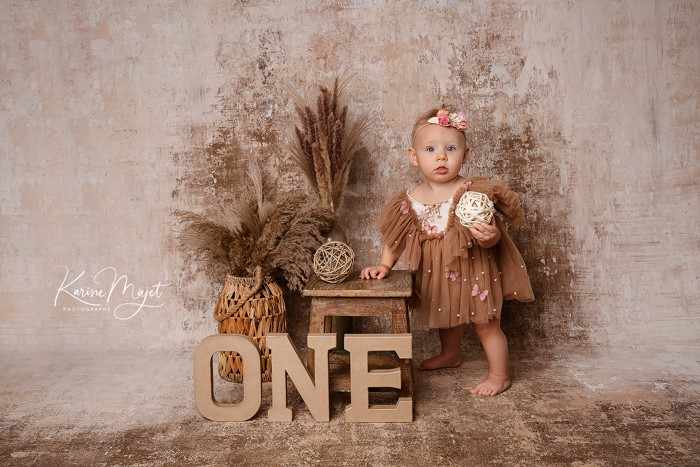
<point x="476" y="290"/>
<point x="404" y="207"/>
<point x="429" y="228"/>
<point x="450" y="274"/>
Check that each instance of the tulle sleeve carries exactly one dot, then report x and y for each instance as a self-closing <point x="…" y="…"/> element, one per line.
<point x="506" y="201"/>
<point x="400" y="229"/>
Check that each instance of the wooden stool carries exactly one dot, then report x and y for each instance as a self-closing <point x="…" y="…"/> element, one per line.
<point x="359" y="297"/>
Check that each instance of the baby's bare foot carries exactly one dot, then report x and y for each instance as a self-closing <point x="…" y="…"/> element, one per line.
<point x="441" y="361"/>
<point x="492" y="385"/>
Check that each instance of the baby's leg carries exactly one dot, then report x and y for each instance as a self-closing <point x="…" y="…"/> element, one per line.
<point x="450" y="354"/>
<point x="496" y="348"/>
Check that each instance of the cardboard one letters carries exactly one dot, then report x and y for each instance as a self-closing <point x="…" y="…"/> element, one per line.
<point x="314" y="390"/>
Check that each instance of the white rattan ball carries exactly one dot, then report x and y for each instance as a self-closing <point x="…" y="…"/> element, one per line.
<point x="473" y="208"/>
<point x="333" y="262"/>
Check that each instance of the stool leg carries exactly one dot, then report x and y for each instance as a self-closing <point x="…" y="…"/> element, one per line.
<point x="399" y="317"/>
<point x="317" y="324"/>
<point x="400" y="325"/>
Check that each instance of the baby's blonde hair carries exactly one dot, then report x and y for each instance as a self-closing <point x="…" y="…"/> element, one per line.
<point x="423" y="120"/>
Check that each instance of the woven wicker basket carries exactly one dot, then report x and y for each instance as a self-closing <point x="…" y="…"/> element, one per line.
<point x="252" y="306"/>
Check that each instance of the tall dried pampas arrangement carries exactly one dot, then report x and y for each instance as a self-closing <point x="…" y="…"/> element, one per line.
<point x="327" y="141"/>
<point x="266" y="233"/>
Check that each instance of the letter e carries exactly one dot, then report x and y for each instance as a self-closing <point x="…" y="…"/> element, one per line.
<point x="362" y="378"/>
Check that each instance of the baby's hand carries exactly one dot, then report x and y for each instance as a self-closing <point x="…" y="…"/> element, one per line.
<point x="379" y="271"/>
<point x="487" y="235"/>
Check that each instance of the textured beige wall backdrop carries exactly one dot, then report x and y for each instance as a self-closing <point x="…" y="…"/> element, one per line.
<point x="113" y="114"/>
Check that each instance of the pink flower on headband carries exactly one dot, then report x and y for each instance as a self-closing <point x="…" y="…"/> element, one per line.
<point x="459" y="121"/>
<point x="444" y="118"/>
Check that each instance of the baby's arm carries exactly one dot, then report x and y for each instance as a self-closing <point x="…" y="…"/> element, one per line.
<point x="381" y="270"/>
<point x="486" y="235"/>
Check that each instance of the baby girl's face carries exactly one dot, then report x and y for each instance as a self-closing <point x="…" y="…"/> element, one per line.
<point x="438" y="152"/>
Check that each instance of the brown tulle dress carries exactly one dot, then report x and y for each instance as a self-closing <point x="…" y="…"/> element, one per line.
<point x="457" y="281"/>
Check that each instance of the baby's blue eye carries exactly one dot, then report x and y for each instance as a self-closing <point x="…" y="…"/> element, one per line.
<point x="451" y="148"/>
<point x="430" y="149"/>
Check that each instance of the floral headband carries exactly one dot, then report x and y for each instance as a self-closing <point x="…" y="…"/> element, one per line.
<point x="444" y="118"/>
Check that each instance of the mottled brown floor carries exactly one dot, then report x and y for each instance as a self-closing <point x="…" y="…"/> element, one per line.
<point x="566" y="407"/>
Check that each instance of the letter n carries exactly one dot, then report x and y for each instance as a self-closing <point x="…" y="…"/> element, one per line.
<point x="314" y="390"/>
